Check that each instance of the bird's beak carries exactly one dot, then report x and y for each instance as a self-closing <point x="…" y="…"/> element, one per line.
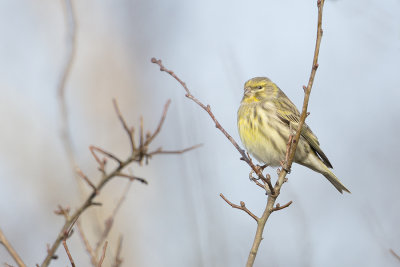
<point x="246" y="91"/>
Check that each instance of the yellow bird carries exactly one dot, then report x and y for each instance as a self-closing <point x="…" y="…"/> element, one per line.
<point x="266" y="118"/>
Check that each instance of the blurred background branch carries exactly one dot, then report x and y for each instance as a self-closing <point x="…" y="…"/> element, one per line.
<point x="395" y="254"/>
<point x="72" y="26"/>
<point x="10" y="249"/>
<point x="138" y="153"/>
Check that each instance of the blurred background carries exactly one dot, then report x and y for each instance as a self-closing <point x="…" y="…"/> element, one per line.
<point x="214" y="46"/>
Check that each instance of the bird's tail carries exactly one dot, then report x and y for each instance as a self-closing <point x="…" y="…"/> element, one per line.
<point x="335" y="181"/>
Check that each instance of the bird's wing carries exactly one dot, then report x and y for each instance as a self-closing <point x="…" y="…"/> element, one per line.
<point x="288" y="114"/>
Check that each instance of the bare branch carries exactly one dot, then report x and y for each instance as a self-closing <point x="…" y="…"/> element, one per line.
<point x="88" y="247"/>
<point x="100" y="162"/>
<point x="394" y="254"/>
<point x="110" y="221"/>
<point x="103" y="255"/>
<point x="320" y="4"/>
<point x="63" y="211"/>
<point x="160" y="124"/>
<point x="11" y="250"/>
<point x="141" y="138"/>
<point x="71" y="36"/>
<point x="241" y="207"/>
<point x="68" y="253"/>
<point x="131" y="177"/>
<point x="160" y="151"/>
<point x="257" y="182"/>
<point x="85" y="178"/>
<point x="118" y="260"/>
<point x="128" y="130"/>
<point x="108" y="154"/>
<point x="71" y="27"/>
<point x="137" y="155"/>
<point x="279" y="207"/>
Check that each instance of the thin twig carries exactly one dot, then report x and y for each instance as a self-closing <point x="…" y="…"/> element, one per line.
<point x="118" y="260"/>
<point x="279" y="207"/>
<point x="84" y="177"/>
<point x="62" y="211"/>
<point x="71" y="41"/>
<point x="128" y="130"/>
<point x="207" y="108"/>
<point x="394" y="254"/>
<point x="160" y="124"/>
<point x="71" y="26"/>
<point x="103" y="255"/>
<point x="160" y="151"/>
<point x="241" y="207"/>
<point x="88" y="247"/>
<point x="11" y="250"/>
<point x="141" y="138"/>
<point x="68" y="253"/>
<point x="257" y="182"/>
<point x="110" y="221"/>
<point x="131" y="177"/>
<point x="106" y="153"/>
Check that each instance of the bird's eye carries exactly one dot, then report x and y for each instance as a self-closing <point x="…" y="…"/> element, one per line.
<point x="259" y="87"/>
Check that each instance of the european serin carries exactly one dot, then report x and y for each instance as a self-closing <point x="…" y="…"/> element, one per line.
<point x="266" y="118"/>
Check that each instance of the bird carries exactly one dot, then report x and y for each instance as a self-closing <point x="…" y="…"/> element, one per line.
<point x="266" y="118"/>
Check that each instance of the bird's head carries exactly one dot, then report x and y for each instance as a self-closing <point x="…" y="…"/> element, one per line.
<point x="259" y="89"/>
